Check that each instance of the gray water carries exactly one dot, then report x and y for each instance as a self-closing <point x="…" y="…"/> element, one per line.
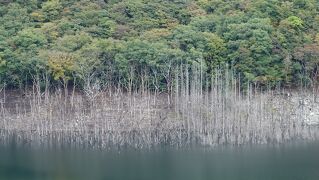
<point x="298" y="161"/>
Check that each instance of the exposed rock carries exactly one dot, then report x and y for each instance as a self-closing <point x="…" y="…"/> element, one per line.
<point x="308" y="109"/>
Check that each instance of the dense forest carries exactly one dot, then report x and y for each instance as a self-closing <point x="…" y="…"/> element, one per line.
<point x="136" y="42"/>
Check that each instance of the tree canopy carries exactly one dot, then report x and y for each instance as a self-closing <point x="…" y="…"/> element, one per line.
<point x="126" y="42"/>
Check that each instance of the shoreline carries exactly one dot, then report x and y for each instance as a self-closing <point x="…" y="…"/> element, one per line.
<point x="146" y="120"/>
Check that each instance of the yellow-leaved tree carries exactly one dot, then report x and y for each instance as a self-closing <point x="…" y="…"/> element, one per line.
<point x="61" y="65"/>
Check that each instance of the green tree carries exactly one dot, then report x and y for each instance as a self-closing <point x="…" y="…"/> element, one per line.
<point x="250" y="51"/>
<point x="51" y="9"/>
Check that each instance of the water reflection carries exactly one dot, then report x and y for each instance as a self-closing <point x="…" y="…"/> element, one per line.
<point x="293" y="161"/>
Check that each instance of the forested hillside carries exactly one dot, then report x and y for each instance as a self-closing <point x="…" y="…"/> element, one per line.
<point x="130" y="42"/>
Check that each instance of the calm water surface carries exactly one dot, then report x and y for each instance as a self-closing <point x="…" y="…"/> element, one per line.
<point x="285" y="162"/>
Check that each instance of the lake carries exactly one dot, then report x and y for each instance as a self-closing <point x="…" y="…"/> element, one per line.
<point x="263" y="162"/>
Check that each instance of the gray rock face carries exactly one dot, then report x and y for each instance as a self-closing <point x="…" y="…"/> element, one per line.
<point x="308" y="109"/>
<point x="312" y="115"/>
